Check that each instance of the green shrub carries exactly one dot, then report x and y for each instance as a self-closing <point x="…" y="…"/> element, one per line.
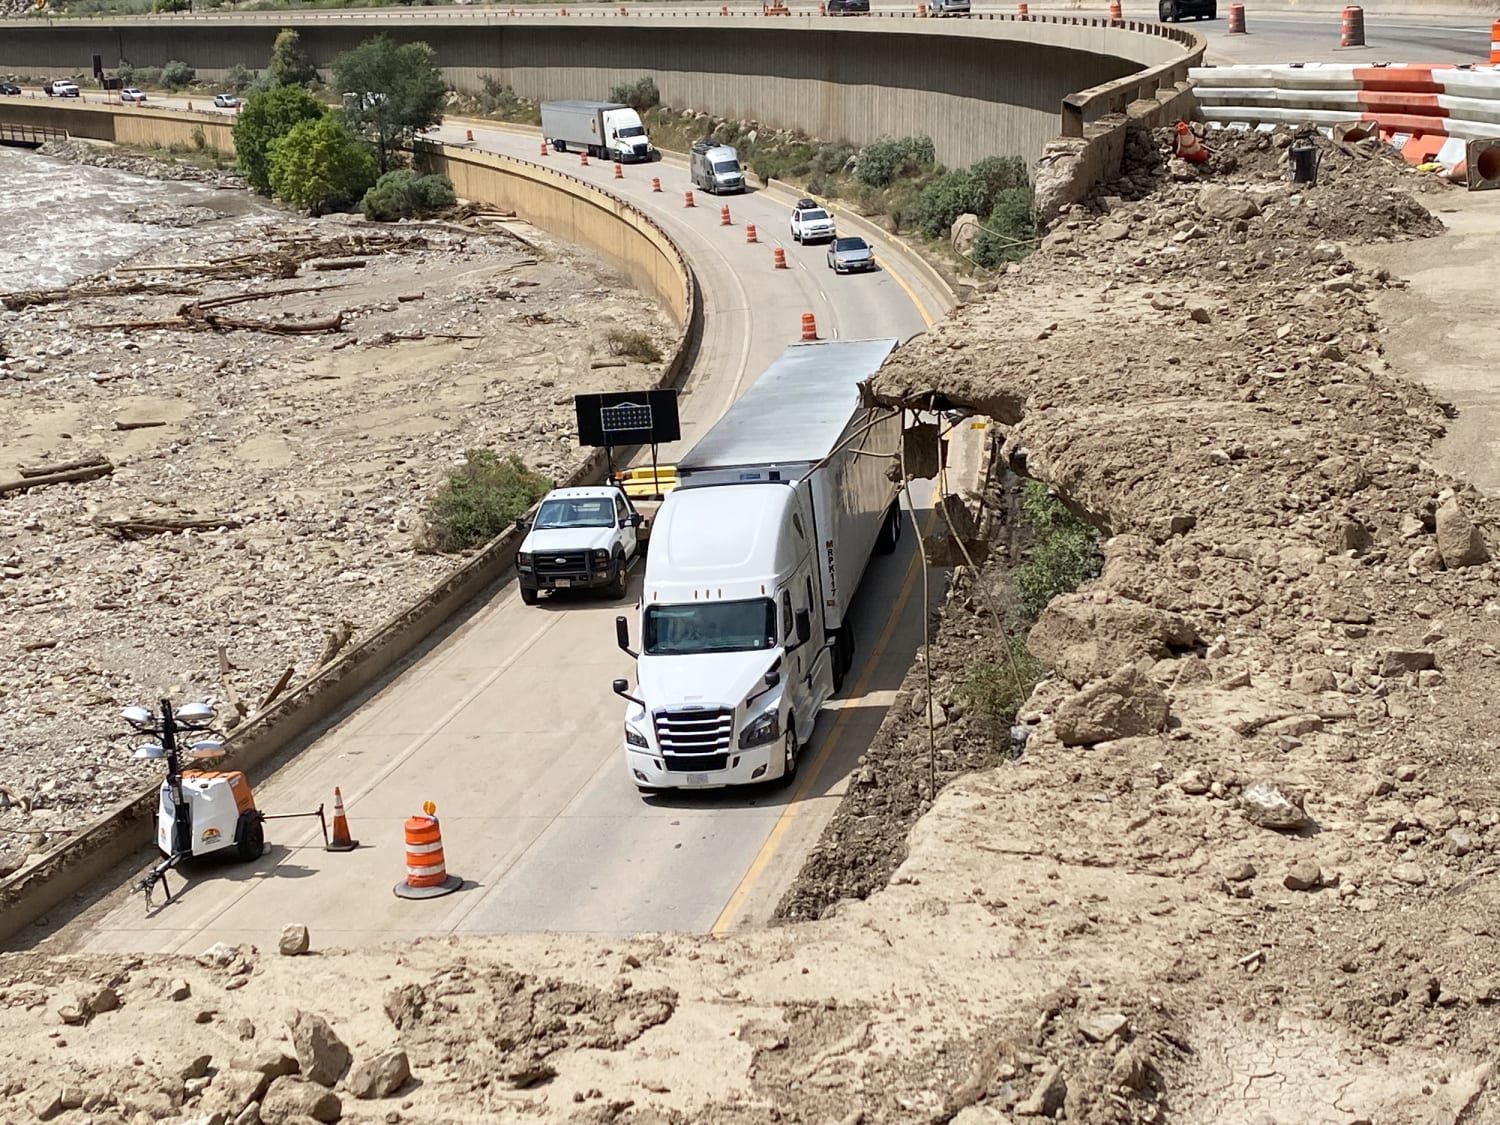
<point x="177" y="74"/>
<point x="500" y="100"/>
<point x="883" y="162"/>
<point x="481" y="499"/>
<point x="995" y="689"/>
<point x="634" y="343"/>
<point x="972" y="190"/>
<point x="319" y="165"/>
<point x="1064" y="551"/>
<point x="143" y="77"/>
<point x="240" y="78"/>
<point x="170" y="5"/>
<point x="1009" y="234"/>
<point x="638" y="95"/>
<point x="403" y="194"/>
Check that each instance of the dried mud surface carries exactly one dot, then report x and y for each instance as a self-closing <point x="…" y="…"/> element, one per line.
<point x="1109" y="928"/>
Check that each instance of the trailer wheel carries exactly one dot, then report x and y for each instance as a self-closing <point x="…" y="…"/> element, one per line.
<point x="890" y="531"/>
<point x="250" y="836"/>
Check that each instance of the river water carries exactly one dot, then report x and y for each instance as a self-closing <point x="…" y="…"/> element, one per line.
<point x="61" y="221"/>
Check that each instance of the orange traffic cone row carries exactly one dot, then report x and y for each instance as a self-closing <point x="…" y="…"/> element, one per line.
<point x="1189" y="147"/>
<point x="778" y="258"/>
<point x="341" y="840"/>
<point x="426" y="872"/>
<point x="809" y="327"/>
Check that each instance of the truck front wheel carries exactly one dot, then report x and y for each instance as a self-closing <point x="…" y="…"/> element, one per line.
<point x="528" y="595"/>
<point x="788" y="755"/>
<point x="616" y="587"/>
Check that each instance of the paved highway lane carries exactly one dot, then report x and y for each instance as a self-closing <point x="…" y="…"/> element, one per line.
<point x="509" y="723"/>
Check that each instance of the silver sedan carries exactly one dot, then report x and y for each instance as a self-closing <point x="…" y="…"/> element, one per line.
<point x="847" y="255"/>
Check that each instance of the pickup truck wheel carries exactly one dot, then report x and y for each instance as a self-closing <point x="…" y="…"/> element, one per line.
<point x="528" y="595"/>
<point x="788" y="756"/>
<point x="616" y="587"/>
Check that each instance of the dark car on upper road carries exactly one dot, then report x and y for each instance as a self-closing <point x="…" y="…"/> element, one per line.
<point x="1171" y="11"/>
<point x="847" y="7"/>
<point x="9" y="88"/>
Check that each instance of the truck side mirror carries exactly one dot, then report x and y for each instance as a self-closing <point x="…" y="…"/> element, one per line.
<point x="636" y="519"/>
<point x="523" y="524"/>
<point x="622" y="638"/>
<point x="773" y="677"/>
<point x="622" y="689"/>
<point x="804" y="626"/>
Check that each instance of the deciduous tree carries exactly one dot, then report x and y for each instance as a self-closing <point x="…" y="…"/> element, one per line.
<point x="391" y="91"/>
<point x="262" y="119"/>
<point x="319" y="165"/>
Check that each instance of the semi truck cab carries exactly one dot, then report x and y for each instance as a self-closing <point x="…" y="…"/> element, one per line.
<point x="734" y="658"/>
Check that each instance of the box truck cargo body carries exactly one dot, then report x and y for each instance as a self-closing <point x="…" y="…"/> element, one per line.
<point x="756" y="557"/>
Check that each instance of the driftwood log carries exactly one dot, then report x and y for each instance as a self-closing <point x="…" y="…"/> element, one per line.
<point x="90" y="461"/>
<point x="286" y="678"/>
<point x="241" y="708"/>
<point x="88" y="472"/>
<point x="338" y="637"/>
<point x="142" y="527"/>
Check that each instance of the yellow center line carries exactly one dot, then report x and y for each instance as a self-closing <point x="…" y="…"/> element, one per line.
<point x="762" y="860"/>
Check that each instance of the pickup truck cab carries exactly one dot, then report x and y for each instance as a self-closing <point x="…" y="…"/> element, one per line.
<point x="579" y="538"/>
<point x="61" y="88"/>
<point x="811" y="222"/>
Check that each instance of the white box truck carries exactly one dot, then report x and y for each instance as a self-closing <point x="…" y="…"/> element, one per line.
<point x="755" y="557"/>
<point x="605" y="130"/>
<point x="716" y="168"/>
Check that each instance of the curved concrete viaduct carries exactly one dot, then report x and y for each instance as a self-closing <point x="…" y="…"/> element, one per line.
<point x="979" y="87"/>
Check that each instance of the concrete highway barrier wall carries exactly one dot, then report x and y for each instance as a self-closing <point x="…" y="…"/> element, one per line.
<point x="571" y="209"/>
<point x="143" y="126"/>
<point x="985" y="86"/>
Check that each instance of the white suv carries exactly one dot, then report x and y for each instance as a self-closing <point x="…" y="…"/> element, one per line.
<point x="811" y="222"/>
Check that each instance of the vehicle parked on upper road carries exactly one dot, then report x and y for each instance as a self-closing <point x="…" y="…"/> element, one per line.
<point x="755" y="558"/>
<point x="61" y="88"/>
<point x="1171" y="11"/>
<point x="604" y="130"/>
<point x="9" y="88"/>
<point x="716" y="168"/>
<point x="226" y="101"/>
<point x="131" y="94"/>
<point x="811" y="222"/>
<point x="850" y="254"/>
<point x="948" y="7"/>
<point x="579" y="538"/>
<point x="847" y="7"/>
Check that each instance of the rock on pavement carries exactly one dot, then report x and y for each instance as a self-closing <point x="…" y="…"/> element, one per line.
<point x="294" y="940"/>
<point x="1125" y="705"/>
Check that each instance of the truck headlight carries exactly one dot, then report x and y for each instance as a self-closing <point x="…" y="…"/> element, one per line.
<point x="765" y="727"/>
<point x="634" y="737"/>
<point x="523" y="560"/>
<point x="601" y="559"/>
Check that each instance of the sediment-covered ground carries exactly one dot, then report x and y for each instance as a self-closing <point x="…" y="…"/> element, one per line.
<point x="1242" y="871"/>
<point x="303" y="450"/>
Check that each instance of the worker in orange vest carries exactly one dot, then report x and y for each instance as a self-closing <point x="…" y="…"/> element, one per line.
<point x="1188" y="146"/>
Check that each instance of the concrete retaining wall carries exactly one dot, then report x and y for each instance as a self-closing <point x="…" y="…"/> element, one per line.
<point x="991" y="85"/>
<point x="643" y="250"/>
<point x="144" y="127"/>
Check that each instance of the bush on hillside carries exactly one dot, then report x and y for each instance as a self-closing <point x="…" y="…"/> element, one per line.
<point x="403" y="194"/>
<point x="638" y="95"/>
<point x="480" y="499"/>
<point x="883" y="162"/>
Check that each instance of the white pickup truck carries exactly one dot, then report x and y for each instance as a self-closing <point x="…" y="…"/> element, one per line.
<point x="580" y="538"/>
<point x="61" y="88"/>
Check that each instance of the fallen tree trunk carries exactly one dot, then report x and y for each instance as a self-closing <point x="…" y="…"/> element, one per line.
<point x="122" y="425"/>
<point x="229" y="693"/>
<point x="286" y="678"/>
<point x="324" y="266"/>
<point x="86" y="473"/>
<point x="338" y="637"/>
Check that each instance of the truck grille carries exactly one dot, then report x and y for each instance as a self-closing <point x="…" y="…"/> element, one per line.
<point x="694" y="740"/>
<point x="561" y="564"/>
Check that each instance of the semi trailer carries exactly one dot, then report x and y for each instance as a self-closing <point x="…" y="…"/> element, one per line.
<point x="605" y="130"/>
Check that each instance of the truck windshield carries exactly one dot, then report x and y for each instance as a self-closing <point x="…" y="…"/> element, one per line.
<point x="678" y="630"/>
<point x="632" y="131"/>
<point x="586" y="511"/>
<point x="727" y="166"/>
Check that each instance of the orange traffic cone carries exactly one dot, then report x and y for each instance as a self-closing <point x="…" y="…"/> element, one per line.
<point x="469" y="135"/>
<point x="809" y="327"/>
<point x="778" y="258"/>
<point x="543" y="151"/>
<point x="583" y="159"/>
<point x="724" y="216"/>
<point x="1189" y="147"/>
<point x="687" y="199"/>
<point x="341" y="841"/>
<point x="619" y="172"/>
<point x="656" y="183"/>
<point x="426" y="871"/>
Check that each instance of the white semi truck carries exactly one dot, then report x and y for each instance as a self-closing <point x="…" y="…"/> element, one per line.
<point x="605" y="130"/>
<point x="755" y="558"/>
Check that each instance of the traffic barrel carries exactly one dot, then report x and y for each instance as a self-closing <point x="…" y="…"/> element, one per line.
<point x="724" y="216"/>
<point x="1116" y="13"/>
<point x="190" y="105"/>
<point x="1353" y="30"/>
<point x="1236" y="19"/>
<point x="922" y="10"/>
<point x="1022" y="12"/>
<point x="469" y="135"/>
<point x="619" y="172"/>
<point x="655" y="183"/>
<point x="687" y="199"/>
<point x="1495" y="43"/>
<point x="750" y="233"/>
<point x="778" y="258"/>
<point x="583" y="159"/>
<point x="426" y="869"/>
<point x="622" y="9"/>
<point x="809" y="327"/>
<point x="723" y="9"/>
<point x="543" y="148"/>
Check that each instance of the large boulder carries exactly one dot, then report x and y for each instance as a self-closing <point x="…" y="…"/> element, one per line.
<point x="292" y="1099"/>
<point x="1458" y="540"/>
<point x="323" y="1056"/>
<point x="1220" y="202"/>
<point x="1086" y="636"/>
<point x="232" y="1090"/>
<point x="963" y="232"/>
<point x="1123" y="706"/>
<point x="380" y="1076"/>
